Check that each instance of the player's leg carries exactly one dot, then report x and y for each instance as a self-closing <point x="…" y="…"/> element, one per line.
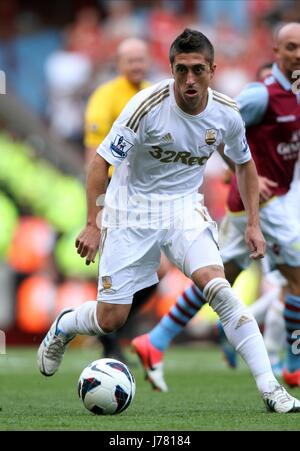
<point x="186" y="307"/>
<point x="280" y="226"/>
<point x="111" y="347"/>
<point x="127" y="274"/>
<point x="240" y="326"/>
<point x="91" y="318"/>
<point x="111" y="342"/>
<point x="291" y="373"/>
<point x="150" y="347"/>
<point x="235" y="258"/>
<point x="259" y="309"/>
<point x="243" y="332"/>
<point x="232" y="270"/>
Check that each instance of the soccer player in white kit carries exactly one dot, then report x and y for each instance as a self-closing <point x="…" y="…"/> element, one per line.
<point x="159" y="146"/>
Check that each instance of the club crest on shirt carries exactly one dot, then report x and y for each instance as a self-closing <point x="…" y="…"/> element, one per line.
<point x="106" y="282"/>
<point x="210" y="136"/>
<point x="120" y="147"/>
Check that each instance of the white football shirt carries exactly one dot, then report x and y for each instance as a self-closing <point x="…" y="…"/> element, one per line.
<point x="160" y="152"/>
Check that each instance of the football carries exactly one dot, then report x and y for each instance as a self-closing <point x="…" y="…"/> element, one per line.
<point x="106" y="387"/>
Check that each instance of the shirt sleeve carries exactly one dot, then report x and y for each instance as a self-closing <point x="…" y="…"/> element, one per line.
<point x="121" y="140"/>
<point x="252" y="103"/>
<point x="236" y="146"/>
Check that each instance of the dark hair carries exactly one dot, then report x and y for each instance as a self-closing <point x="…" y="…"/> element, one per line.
<point x="192" y="41"/>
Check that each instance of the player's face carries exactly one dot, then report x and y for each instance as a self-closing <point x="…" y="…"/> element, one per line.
<point x="192" y="74"/>
<point x="134" y="65"/>
<point x="288" y="54"/>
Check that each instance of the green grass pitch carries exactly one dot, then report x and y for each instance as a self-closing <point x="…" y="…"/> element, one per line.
<point x="204" y="395"/>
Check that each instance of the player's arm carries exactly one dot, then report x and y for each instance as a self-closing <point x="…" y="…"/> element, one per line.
<point x="237" y="149"/>
<point x="113" y="150"/>
<point x="247" y="180"/>
<point x="87" y="243"/>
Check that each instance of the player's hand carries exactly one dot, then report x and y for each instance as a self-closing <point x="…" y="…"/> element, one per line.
<point x="265" y="186"/>
<point x="255" y="242"/>
<point x="87" y="243"/>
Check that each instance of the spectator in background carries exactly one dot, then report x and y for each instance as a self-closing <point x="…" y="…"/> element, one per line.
<point x="108" y="100"/>
<point x="68" y="76"/>
<point x="86" y="36"/>
<point x="70" y="71"/>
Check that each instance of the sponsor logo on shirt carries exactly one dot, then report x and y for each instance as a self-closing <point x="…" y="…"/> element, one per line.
<point x="172" y="156"/>
<point x="120" y="147"/>
<point x="290" y="150"/>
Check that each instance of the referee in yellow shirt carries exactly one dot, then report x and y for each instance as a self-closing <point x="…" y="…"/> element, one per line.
<point x="103" y="107"/>
<point x="109" y="99"/>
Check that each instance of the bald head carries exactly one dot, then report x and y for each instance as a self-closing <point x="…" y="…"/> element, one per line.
<point x="132" y="60"/>
<point x="287" y="48"/>
<point x="131" y="45"/>
<point x="286" y="32"/>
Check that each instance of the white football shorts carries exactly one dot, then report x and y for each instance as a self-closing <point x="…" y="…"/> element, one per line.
<point x="130" y="257"/>
<point x="279" y="221"/>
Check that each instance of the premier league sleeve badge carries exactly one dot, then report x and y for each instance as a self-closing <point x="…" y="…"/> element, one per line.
<point x="120" y="147"/>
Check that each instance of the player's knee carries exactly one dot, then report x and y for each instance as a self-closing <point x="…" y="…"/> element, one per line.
<point x="111" y="317"/>
<point x="203" y="276"/>
<point x="109" y="326"/>
<point x="109" y="323"/>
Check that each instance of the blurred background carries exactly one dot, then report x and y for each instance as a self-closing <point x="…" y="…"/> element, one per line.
<point x="53" y="55"/>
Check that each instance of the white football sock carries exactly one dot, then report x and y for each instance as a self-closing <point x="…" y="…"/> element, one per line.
<point x="241" y="330"/>
<point x="82" y="321"/>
